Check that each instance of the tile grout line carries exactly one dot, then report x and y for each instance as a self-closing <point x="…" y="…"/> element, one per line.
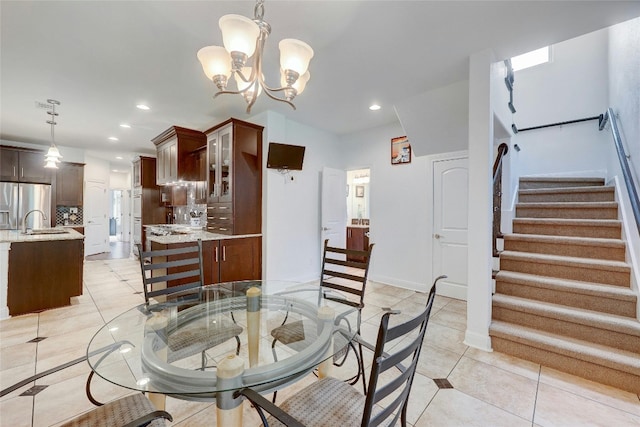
<point x="535" y="400"/>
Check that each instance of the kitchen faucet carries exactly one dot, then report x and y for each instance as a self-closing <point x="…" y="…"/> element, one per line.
<point x="24" y="220"/>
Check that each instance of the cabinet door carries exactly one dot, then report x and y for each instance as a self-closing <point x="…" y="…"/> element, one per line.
<point x="69" y="185"/>
<point x="226" y="164"/>
<point x="240" y="259"/>
<point x="137" y="177"/>
<point x="9" y="167"/>
<point x="32" y="168"/>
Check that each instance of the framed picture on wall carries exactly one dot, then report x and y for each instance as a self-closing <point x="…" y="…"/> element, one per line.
<point x="359" y="190"/>
<point x="400" y="150"/>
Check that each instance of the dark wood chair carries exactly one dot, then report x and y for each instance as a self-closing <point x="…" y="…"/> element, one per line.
<point x="130" y="411"/>
<point x="343" y="279"/>
<point x="180" y="272"/>
<point x="331" y="402"/>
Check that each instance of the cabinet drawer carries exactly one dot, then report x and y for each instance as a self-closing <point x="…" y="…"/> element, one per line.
<point x="220" y="229"/>
<point x="218" y="208"/>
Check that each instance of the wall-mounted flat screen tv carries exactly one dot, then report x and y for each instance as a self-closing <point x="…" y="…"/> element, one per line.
<point x="285" y="156"/>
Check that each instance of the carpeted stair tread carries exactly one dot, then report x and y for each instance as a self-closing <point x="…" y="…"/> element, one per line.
<point x="577" y="205"/>
<point x="584" y="247"/>
<point x="567" y="221"/>
<point x="606" y="322"/>
<point x="606" y="356"/>
<point x="567" y="285"/>
<point x="581" y="241"/>
<point x="563" y="190"/>
<point x="570" y="210"/>
<point x="554" y="182"/>
<point x="587" y="263"/>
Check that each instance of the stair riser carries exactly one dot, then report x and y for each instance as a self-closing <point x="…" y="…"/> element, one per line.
<point x="569" y="298"/>
<point x="599" y="232"/>
<point x="581" y="251"/>
<point x="599" y="196"/>
<point x="566" y="213"/>
<point x="529" y="185"/>
<point x="590" y="371"/>
<point x="562" y="327"/>
<point x="563" y="271"/>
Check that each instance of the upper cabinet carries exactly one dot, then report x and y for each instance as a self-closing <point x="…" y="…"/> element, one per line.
<point x="23" y="165"/>
<point x="69" y="184"/>
<point x="234" y="181"/>
<point x="179" y="153"/>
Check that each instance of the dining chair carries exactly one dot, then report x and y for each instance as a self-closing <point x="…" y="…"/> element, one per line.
<point x="177" y="275"/>
<point x="128" y="411"/>
<point x="343" y="279"/>
<point x="331" y="402"/>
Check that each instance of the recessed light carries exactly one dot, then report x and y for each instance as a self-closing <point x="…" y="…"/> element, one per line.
<point x="119" y="157"/>
<point x="124" y="125"/>
<point x="142" y="107"/>
<point x="374" y="107"/>
<point x="114" y="170"/>
<point x="113" y="138"/>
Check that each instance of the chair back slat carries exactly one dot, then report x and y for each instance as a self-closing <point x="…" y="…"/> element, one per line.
<point x="355" y="272"/>
<point x="179" y="268"/>
<point x="399" y="365"/>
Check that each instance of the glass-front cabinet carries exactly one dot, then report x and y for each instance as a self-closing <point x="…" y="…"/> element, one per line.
<point x="220" y="161"/>
<point x="234" y="178"/>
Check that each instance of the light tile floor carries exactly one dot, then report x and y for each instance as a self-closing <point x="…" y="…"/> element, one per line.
<point x="490" y="389"/>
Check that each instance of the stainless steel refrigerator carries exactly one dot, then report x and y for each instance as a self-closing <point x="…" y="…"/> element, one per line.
<point x="16" y="199"/>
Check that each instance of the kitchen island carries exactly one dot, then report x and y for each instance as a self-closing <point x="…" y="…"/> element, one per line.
<point x="39" y="271"/>
<point x="225" y="258"/>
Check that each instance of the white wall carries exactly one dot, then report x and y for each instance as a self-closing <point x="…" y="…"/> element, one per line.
<point x="291" y="208"/>
<point x="399" y="208"/>
<point x="436" y="121"/>
<point x="624" y="87"/>
<point x="119" y="181"/>
<point x="572" y="86"/>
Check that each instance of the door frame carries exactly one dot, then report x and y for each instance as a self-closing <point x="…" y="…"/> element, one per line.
<point x="453" y="155"/>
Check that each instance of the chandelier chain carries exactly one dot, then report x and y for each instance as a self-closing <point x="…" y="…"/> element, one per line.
<point x="258" y="10"/>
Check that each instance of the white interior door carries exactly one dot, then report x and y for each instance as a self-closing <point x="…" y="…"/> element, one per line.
<point x="334" y="207"/>
<point x="450" y="210"/>
<point x="96" y="229"/>
<point x="126" y="215"/>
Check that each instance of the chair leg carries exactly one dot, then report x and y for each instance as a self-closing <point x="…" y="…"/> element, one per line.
<point x="238" y="346"/>
<point x="275" y="359"/>
<point x="361" y="369"/>
<point x="204" y="360"/>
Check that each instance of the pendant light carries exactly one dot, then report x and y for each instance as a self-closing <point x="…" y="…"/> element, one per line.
<point x="53" y="156"/>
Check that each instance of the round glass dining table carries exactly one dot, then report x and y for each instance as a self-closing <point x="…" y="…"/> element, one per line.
<point x="174" y="347"/>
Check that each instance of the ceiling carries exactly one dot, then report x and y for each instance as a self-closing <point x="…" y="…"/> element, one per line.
<point x="101" y="58"/>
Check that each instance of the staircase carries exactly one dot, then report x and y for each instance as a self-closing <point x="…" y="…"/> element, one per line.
<point x="563" y="293"/>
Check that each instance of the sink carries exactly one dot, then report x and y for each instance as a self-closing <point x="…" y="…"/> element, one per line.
<point x="55" y="230"/>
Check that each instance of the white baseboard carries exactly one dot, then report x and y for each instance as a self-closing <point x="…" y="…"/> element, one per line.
<point x="479" y="341"/>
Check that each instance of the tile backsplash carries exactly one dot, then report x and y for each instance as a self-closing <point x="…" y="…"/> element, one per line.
<point x="64" y="216"/>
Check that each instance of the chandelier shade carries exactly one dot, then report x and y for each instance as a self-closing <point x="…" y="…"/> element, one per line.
<point x="239" y="34"/>
<point x="295" y="55"/>
<point x="241" y="57"/>
<point x="53" y="156"/>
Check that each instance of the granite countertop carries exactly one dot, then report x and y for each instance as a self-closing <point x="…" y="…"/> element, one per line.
<point x="17" y="236"/>
<point x="192" y="237"/>
<point x="357" y="226"/>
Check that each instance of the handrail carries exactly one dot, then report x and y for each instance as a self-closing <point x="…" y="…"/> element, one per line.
<point x="586" y="119"/>
<point x="503" y="149"/>
<point x="624" y="163"/>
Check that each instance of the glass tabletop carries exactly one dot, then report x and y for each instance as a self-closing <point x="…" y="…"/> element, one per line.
<point x="174" y="347"/>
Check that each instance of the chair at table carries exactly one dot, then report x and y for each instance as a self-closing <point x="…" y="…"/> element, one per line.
<point x="130" y="411"/>
<point x="344" y="272"/>
<point x="330" y="402"/>
<point x="180" y="270"/>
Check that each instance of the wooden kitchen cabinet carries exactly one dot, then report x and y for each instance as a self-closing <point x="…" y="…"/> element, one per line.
<point x="147" y="208"/>
<point x="234" y="180"/>
<point x="44" y="274"/>
<point x="357" y="239"/>
<point x="224" y="260"/>
<point x="23" y="165"/>
<point x="176" y="161"/>
<point x="69" y="184"/>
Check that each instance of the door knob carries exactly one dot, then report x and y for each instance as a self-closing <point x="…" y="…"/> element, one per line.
<point x="325" y="229"/>
<point x="437" y="236"/>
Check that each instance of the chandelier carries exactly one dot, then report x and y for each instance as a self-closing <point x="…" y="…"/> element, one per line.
<point x="243" y="39"/>
<point x="52" y="158"/>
